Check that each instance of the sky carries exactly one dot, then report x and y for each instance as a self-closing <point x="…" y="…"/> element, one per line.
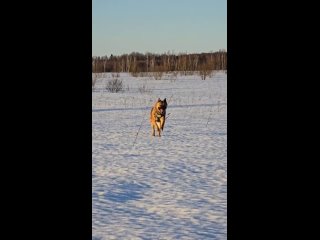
<point x="158" y="26"/>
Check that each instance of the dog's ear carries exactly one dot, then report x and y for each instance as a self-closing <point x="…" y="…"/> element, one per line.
<point x="165" y="102"/>
<point x="159" y="100"/>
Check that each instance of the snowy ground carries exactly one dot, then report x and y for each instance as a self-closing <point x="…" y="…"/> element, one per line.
<point x="173" y="187"/>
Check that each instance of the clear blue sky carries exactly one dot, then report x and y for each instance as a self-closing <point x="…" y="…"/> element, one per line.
<point x="158" y="26"/>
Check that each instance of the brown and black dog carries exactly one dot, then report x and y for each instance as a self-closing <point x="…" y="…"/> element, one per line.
<point x="158" y="116"/>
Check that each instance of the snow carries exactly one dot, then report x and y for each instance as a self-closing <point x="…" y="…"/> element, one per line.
<point x="168" y="187"/>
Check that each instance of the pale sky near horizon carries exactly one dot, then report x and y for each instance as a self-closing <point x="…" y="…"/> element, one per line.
<point x="158" y="26"/>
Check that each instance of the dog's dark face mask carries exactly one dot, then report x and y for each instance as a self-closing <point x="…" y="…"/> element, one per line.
<point x="162" y="105"/>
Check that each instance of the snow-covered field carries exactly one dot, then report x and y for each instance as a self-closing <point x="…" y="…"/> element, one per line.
<point x="169" y="187"/>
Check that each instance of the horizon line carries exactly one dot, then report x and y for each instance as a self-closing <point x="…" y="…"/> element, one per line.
<point x="165" y="52"/>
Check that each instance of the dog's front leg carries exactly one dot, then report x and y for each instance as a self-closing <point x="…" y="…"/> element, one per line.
<point x="158" y="127"/>
<point x="162" y="121"/>
<point x="153" y="131"/>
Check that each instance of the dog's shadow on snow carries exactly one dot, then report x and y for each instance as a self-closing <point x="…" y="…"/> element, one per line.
<point x="126" y="191"/>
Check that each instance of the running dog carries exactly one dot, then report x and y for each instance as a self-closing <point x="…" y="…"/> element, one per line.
<point x="158" y="116"/>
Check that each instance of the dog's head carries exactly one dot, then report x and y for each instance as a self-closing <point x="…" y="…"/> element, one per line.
<point x="161" y="105"/>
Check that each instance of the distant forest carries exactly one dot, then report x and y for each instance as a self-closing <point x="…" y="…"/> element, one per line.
<point x="149" y="62"/>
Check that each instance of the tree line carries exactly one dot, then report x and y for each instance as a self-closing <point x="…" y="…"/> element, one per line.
<point x="150" y="62"/>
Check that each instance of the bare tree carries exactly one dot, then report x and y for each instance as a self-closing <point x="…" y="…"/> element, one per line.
<point x="183" y="62"/>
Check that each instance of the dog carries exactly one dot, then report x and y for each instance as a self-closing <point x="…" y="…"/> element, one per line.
<point x="158" y="116"/>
